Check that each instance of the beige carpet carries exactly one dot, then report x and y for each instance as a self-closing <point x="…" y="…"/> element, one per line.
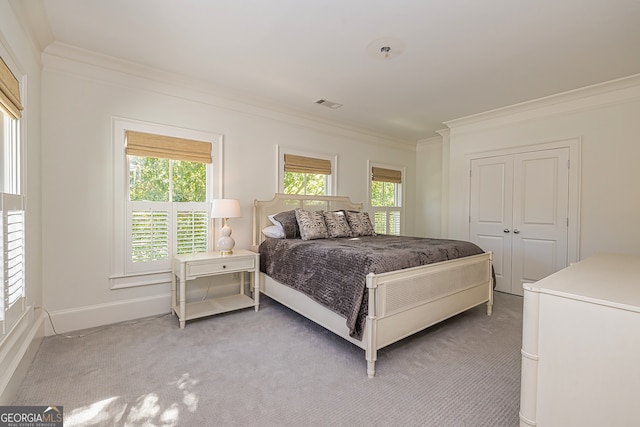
<point x="275" y="368"/>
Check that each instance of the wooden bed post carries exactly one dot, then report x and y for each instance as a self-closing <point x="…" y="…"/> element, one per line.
<point x="371" y="352"/>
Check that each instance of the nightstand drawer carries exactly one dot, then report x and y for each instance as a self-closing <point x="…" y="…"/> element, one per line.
<point x="195" y="269"/>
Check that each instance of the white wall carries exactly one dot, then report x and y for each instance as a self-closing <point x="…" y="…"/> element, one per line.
<point x="81" y="93"/>
<point x="17" y="348"/>
<point x="606" y="118"/>
<point x="429" y="188"/>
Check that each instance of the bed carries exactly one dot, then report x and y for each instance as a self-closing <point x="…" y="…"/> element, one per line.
<point x="392" y="304"/>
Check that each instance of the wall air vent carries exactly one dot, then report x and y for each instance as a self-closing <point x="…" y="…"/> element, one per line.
<point x="328" y="104"/>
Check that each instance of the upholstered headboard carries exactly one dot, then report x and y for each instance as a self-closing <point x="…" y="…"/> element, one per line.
<point x="286" y="202"/>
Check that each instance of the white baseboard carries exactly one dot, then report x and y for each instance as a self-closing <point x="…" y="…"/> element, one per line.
<point x="75" y="319"/>
<point x="65" y="321"/>
<point x="17" y="351"/>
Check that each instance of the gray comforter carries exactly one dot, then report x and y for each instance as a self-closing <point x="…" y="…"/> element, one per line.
<point x="332" y="271"/>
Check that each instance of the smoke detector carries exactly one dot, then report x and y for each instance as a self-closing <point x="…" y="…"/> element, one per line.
<point x="385" y="48"/>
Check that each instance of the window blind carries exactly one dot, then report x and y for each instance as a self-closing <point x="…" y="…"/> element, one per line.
<point x="192" y="234"/>
<point x="149" y="235"/>
<point x="302" y="164"/>
<point x="387" y="222"/>
<point x="386" y="175"/>
<point x="9" y="91"/>
<point x="167" y="147"/>
<point x="394" y="223"/>
<point x="13" y="257"/>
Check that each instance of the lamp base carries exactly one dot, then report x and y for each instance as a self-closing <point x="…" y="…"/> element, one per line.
<point x="226" y="242"/>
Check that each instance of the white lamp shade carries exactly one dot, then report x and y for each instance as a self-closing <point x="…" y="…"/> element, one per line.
<point x="225" y="208"/>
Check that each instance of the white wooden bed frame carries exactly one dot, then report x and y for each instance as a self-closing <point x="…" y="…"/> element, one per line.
<point x="401" y="302"/>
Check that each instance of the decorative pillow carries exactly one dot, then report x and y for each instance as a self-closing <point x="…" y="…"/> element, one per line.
<point x="289" y="224"/>
<point x="311" y="224"/>
<point x="337" y="225"/>
<point x="360" y="223"/>
<point x="274" y="231"/>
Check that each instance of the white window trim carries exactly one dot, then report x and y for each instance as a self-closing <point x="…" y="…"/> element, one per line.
<point x="403" y="170"/>
<point x="12" y="177"/>
<point x="333" y="158"/>
<point x="119" y="276"/>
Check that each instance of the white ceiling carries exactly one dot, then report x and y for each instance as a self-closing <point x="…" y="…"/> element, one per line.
<point x="460" y="57"/>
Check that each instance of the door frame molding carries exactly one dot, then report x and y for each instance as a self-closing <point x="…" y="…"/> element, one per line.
<point x="575" y="171"/>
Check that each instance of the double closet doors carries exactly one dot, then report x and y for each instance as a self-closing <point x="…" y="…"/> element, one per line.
<point x="519" y="210"/>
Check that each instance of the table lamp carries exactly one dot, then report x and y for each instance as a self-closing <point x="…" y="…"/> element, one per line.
<point x="225" y="209"/>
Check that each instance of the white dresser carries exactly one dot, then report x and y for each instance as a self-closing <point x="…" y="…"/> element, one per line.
<point x="581" y="345"/>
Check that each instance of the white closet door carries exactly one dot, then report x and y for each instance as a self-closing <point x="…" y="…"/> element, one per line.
<point x="540" y="215"/>
<point x="518" y="210"/>
<point x="491" y="213"/>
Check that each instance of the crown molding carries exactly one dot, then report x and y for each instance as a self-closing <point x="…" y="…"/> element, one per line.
<point x="444" y="133"/>
<point x="612" y="92"/>
<point x="87" y="64"/>
<point x="428" y="143"/>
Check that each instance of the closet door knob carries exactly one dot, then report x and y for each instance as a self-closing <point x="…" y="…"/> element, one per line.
<point x="506" y="230"/>
<point x="516" y="231"/>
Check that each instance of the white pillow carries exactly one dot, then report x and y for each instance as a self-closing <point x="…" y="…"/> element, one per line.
<point x="277" y="232"/>
<point x="274" y="231"/>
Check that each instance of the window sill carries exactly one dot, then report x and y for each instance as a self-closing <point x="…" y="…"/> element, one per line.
<point x="141" y="279"/>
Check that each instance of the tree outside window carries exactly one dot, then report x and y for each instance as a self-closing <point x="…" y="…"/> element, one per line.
<point x="306" y="175"/>
<point x="305" y="183"/>
<point x="153" y="179"/>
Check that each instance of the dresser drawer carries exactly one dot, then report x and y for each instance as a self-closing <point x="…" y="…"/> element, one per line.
<point x="203" y="268"/>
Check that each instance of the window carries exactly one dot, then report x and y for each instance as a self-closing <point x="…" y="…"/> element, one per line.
<point x="166" y="186"/>
<point x="12" y="232"/>
<point x="386" y="199"/>
<point x="306" y="174"/>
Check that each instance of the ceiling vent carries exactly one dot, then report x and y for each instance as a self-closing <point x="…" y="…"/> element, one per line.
<point x="328" y="104"/>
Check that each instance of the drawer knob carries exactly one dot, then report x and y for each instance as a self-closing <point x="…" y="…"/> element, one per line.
<point x="224" y="266"/>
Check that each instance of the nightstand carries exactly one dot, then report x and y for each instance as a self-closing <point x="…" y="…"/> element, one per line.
<point x="192" y="266"/>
